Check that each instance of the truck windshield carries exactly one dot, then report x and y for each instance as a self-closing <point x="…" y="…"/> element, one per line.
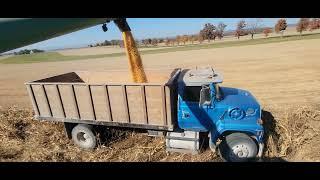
<point x="192" y="93"/>
<point x="218" y="92"/>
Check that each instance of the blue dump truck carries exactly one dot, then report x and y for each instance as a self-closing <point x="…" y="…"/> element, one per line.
<point x="189" y="103"/>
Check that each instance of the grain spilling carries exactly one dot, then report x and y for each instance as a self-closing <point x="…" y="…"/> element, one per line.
<point x="135" y="63"/>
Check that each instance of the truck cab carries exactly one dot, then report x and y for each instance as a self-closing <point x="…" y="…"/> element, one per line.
<point x="229" y="114"/>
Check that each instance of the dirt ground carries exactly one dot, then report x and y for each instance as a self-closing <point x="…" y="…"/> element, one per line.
<point x="284" y="77"/>
<point x="278" y="73"/>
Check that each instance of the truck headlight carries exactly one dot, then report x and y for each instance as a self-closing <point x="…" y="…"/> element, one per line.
<point x="236" y="113"/>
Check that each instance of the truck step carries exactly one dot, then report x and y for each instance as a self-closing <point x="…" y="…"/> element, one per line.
<point x="185" y="142"/>
<point x="155" y="133"/>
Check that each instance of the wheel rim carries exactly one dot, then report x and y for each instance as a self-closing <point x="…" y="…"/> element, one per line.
<point x="239" y="152"/>
<point x="83" y="138"/>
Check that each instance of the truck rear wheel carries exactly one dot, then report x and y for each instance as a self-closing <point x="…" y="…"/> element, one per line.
<point x="83" y="136"/>
<point x="237" y="147"/>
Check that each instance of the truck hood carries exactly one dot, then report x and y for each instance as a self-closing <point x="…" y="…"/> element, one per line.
<point x="238" y="98"/>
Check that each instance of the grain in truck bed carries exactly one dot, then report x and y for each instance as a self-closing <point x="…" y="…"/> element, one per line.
<point x="107" y="98"/>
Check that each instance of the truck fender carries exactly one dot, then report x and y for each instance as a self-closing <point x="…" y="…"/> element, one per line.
<point x="215" y="135"/>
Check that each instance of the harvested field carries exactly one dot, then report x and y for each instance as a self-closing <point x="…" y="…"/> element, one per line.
<point x="284" y="77"/>
<point x="276" y="73"/>
<point x="291" y="135"/>
<point x="99" y="50"/>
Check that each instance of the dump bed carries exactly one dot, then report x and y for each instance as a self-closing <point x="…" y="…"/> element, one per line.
<point x="101" y="98"/>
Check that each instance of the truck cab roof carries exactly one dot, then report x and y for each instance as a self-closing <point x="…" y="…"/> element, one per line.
<point x="199" y="76"/>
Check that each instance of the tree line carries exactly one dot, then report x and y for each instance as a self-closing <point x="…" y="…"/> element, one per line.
<point x="212" y="32"/>
<point x="113" y="42"/>
<point x="305" y="24"/>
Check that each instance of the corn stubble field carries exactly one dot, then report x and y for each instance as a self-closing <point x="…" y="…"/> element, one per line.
<point x="291" y="135"/>
<point x="283" y="76"/>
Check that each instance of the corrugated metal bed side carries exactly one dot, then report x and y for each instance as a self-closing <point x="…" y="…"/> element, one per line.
<point x="137" y="105"/>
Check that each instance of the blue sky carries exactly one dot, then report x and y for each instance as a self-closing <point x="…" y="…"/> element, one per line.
<point x="142" y="28"/>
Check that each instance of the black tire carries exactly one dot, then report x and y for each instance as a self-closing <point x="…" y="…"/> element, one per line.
<point x="238" y="147"/>
<point x="83" y="136"/>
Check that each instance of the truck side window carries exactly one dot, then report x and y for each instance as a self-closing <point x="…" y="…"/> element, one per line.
<point x="192" y="93"/>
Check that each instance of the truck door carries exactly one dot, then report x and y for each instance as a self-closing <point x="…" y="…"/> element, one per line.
<point x="191" y="116"/>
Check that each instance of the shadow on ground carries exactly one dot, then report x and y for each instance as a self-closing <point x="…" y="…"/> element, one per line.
<point x="270" y="131"/>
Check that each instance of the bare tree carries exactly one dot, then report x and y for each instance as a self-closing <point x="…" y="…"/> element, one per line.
<point x="144" y="42"/>
<point x="172" y="41"/>
<point x="190" y="39"/>
<point x="240" y="29"/>
<point x="254" y="26"/>
<point x="215" y="34"/>
<point x="281" y="26"/>
<point x="154" y="42"/>
<point x="302" y="25"/>
<point x="193" y="38"/>
<point x="160" y="40"/>
<point x="220" y="30"/>
<point x="267" y="31"/>
<point x="121" y="44"/>
<point x="184" y="39"/>
<point x="138" y="43"/>
<point x="208" y="32"/>
<point x="167" y="42"/>
<point x="201" y="37"/>
<point x="178" y="39"/>
<point x="114" y="42"/>
<point x="314" y="24"/>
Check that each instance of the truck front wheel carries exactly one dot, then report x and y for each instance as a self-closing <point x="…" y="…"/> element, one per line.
<point x="83" y="136"/>
<point x="237" y="147"/>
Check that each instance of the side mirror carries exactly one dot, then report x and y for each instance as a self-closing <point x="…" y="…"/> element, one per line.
<point x="205" y="98"/>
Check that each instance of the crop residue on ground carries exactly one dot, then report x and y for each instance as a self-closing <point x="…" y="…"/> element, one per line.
<point x="289" y="133"/>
